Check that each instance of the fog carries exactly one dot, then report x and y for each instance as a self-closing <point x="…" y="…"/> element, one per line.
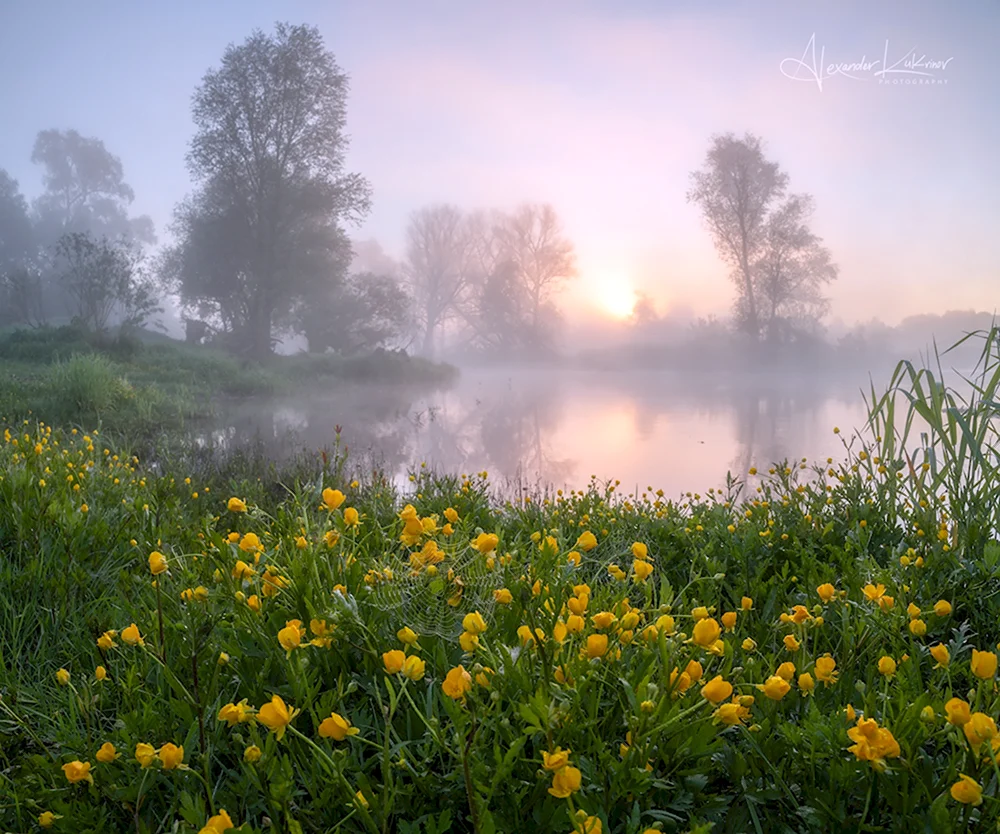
<point x="660" y="241"/>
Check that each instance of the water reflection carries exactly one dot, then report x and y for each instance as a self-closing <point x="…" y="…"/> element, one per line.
<point x="665" y="431"/>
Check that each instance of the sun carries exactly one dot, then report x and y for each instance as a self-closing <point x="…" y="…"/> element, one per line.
<point x="614" y="295"/>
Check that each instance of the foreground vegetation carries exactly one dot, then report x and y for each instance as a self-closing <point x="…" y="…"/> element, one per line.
<point x="67" y="375"/>
<point x="810" y="650"/>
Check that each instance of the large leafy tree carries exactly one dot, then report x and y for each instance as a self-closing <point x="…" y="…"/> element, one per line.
<point x="263" y="234"/>
<point x="85" y="190"/>
<point x="20" y="291"/>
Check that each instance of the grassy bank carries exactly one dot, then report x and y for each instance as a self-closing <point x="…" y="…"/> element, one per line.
<point x="813" y="649"/>
<point x="64" y="376"/>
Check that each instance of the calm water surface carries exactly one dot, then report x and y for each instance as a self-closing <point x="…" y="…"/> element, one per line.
<point x="675" y="433"/>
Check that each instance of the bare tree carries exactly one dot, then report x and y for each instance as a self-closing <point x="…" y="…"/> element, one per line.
<point x="736" y="189"/>
<point x="437" y="246"/>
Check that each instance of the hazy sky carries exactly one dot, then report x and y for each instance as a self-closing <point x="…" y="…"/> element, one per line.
<point x="601" y="108"/>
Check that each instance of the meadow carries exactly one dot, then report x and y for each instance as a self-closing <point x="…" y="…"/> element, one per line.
<point x="311" y="649"/>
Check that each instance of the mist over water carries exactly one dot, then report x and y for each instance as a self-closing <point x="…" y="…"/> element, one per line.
<point x="558" y="428"/>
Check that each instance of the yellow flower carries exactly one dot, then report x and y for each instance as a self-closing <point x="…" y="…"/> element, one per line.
<point x="967" y="791"/>
<point x="565" y="782"/>
<point x="414" y="668"/>
<point x="603" y="620"/>
<point x="336" y="727"/>
<point x="729" y="620"/>
<point x="749" y="645"/>
<point x="730" y="714"/>
<point x="806" y="683"/>
<point x="825" y="667"/>
<point x="503" y="596"/>
<point x="705" y="632"/>
<point x="332" y="498"/>
<point x="791" y="643"/>
<point x="941" y="654"/>
<point x="106" y="641"/>
<point x="457" y="683"/>
<point x="716" y="690"/>
<point x="775" y="688"/>
<point x="640" y="551"/>
<point x="918" y="628"/>
<point x="468" y="641"/>
<point x="235" y="505"/>
<point x="555" y="760"/>
<point x="486" y="542"/>
<point x="62" y="677"/>
<point x="616" y="572"/>
<point x="131" y="636"/>
<point x="359" y="797"/>
<point x="100" y="673"/>
<point x="826" y="592"/>
<point x="874" y="592"/>
<point x="474" y="623"/>
<point x="573" y="558"/>
<point x="984" y="664"/>
<point x="408" y="636"/>
<point x="145" y="754"/>
<point x="290" y="637"/>
<point x="276" y="716"/>
<point x="351" y="517"/>
<point x="234" y="714"/>
<point x="887" y="666"/>
<point x="393" y="661"/>
<point x="251" y="754"/>
<point x="171" y="755"/>
<point x="219" y="824"/>
<point x="106" y="753"/>
<point x="587" y="541"/>
<point x="699" y="613"/>
<point x="241" y="570"/>
<point x="942" y="608"/>
<point x="597" y="645"/>
<point x="301" y="542"/>
<point x="786" y="670"/>
<point x="47" y="819"/>
<point x="253" y="603"/>
<point x="746" y="603"/>
<point x="77" y="771"/>
<point x="979" y="728"/>
<point x="157" y="563"/>
<point x="872" y="744"/>
<point x="250" y="543"/>
<point x="958" y="712"/>
<point x="575" y="624"/>
<point x="642" y="570"/>
<point x="451" y="514"/>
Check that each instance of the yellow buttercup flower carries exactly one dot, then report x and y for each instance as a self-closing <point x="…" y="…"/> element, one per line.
<point x="62" y="677"/>
<point x="235" y="505"/>
<point x="218" y="824"/>
<point x="942" y="608"/>
<point x="984" y="664"/>
<point x="555" y="760"/>
<point x="565" y="782"/>
<point x="171" y="755"/>
<point x="234" y="714"/>
<point x="941" y="654"/>
<point x="457" y="683"/>
<point x="290" y="637"/>
<point x="276" y="716"/>
<point x="393" y="661"/>
<point x="77" y="771"/>
<point x="603" y="620"/>
<point x="825" y="670"/>
<point x="958" y="712"/>
<point x="486" y="542"/>
<point x="414" y="668"/>
<point x="640" y="551"/>
<point x="351" y="517"/>
<point x="100" y="673"/>
<point x="106" y="753"/>
<point x="474" y="623"/>
<point x="597" y="645"/>
<point x="774" y="688"/>
<point x="336" y="727"/>
<point x="503" y="596"/>
<point x="717" y="690"/>
<point x="332" y="498"/>
<point x="106" y="641"/>
<point x="826" y="592"/>
<point x="967" y="791"/>
<point x="157" y="563"/>
<point x="408" y="636"/>
<point x="705" y="632"/>
<point x="145" y="754"/>
<point x="791" y="643"/>
<point x="641" y="570"/>
<point x="132" y="636"/>
<point x="887" y="666"/>
<point x="587" y="541"/>
<point x="47" y="819"/>
<point x="252" y="754"/>
<point x="786" y="670"/>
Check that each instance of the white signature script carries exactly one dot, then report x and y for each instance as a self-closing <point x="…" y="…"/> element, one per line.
<point x="916" y="67"/>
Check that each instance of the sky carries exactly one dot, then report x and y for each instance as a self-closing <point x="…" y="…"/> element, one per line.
<point x="602" y="109"/>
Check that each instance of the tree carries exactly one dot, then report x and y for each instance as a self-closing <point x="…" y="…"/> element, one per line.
<point x="104" y="278"/>
<point x="437" y="248"/>
<point x="85" y="190"/>
<point x="19" y="292"/>
<point x="263" y="233"/>
<point x="736" y="189"/>
<point x="543" y="259"/>
<point x="790" y="273"/>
